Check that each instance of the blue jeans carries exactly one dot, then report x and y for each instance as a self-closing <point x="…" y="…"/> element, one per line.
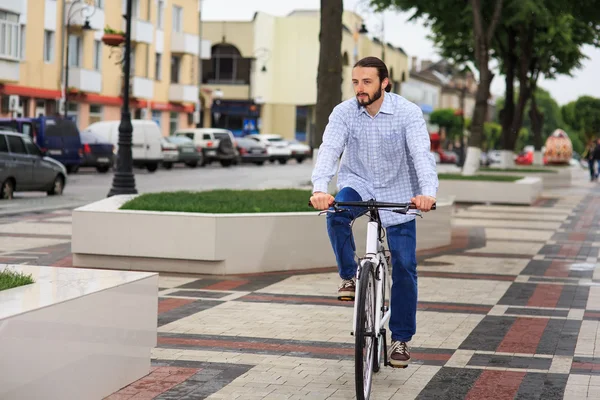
<point x="402" y="243"/>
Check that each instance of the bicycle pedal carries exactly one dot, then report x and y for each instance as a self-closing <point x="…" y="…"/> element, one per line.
<point x="345" y="298"/>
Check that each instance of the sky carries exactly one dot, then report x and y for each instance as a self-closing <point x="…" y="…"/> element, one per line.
<point x="411" y="36"/>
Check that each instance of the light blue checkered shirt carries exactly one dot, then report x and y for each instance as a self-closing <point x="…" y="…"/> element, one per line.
<point x="386" y="157"/>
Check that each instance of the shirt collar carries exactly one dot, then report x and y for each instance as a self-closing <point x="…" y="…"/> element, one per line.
<point x="386" y="107"/>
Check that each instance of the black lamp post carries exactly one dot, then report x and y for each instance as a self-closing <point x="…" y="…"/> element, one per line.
<point x="86" y="27"/>
<point x="124" y="181"/>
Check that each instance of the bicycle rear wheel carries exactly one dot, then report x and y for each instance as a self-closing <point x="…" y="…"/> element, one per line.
<point x="364" y="345"/>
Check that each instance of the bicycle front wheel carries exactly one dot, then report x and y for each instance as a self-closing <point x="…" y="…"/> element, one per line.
<point x="364" y="346"/>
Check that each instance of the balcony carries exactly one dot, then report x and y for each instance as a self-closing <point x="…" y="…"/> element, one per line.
<point x="184" y="43"/>
<point x="142" y="88"/>
<point x="13" y="6"/>
<point x="9" y="71"/>
<point x="85" y="80"/>
<point x="80" y="11"/>
<point x="141" y="31"/>
<point x="179" y="93"/>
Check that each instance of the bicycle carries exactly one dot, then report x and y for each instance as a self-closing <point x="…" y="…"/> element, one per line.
<point x="372" y="283"/>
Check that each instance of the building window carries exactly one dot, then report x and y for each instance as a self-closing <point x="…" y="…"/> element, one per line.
<point x="95" y="113"/>
<point x="158" y="67"/>
<point x="135" y="8"/>
<point x="9" y="36"/>
<point x="161" y="14"/>
<point x="99" y="3"/>
<point x="22" y="50"/>
<point x="73" y="111"/>
<point x="75" y="51"/>
<point x="48" y="46"/>
<point x="177" y="19"/>
<point x="132" y="61"/>
<point x="173" y="122"/>
<point x="40" y="108"/>
<point x="226" y="66"/>
<point x="147" y="63"/>
<point x="175" y="67"/>
<point x="156" y="117"/>
<point x="97" y="55"/>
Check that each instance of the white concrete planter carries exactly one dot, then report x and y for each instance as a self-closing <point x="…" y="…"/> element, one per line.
<point x="560" y="178"/>
<point x="219" y="243"/>
<point x="76" y="333"/>
<point x="523" y="191"/>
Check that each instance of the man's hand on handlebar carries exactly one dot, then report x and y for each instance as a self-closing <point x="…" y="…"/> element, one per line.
<point x="423" y="203"/>
<point x="321" y="201"/>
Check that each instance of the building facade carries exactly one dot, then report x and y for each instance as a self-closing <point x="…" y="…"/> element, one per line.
<point x="262" y="75"/>
<point x="165" y="48"/>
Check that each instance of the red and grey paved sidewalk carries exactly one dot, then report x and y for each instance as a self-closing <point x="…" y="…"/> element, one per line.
<point x="511" y="309"/>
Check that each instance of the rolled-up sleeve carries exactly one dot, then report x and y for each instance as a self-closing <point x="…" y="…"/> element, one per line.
<point x="334" y="141"/>
<point x="419" y="149"/>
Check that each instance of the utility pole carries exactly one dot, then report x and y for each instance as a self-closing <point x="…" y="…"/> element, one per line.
<point x="199" y="104"/>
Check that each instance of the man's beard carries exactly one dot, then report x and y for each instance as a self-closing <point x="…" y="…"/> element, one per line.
<point x="369" y="100"/>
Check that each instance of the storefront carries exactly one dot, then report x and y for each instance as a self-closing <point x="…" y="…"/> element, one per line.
<point x="240" y="117"/>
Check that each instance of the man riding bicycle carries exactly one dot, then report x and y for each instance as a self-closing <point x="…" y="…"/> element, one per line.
<point x="386" y="156"/>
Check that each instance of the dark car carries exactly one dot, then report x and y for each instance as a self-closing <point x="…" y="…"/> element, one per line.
<point x="96" y="152"/>
<point x="58" y="137"/>
<point x="180" y="150"/>
<point x="252" y="151"/>
<point x="24" y="167"/>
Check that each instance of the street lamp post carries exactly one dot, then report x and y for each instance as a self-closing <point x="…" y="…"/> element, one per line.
<point x="124" y="181"/>
<point x="86" y="27"/>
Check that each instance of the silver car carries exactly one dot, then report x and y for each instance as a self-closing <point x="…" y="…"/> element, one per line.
<point x="23" y="167"/>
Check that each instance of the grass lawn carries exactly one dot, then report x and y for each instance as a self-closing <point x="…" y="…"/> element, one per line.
<point x="11" y="279"/>
<point x="224" y="201"/>
<point x="488" y="178"/>
<point x="522" y="170"/>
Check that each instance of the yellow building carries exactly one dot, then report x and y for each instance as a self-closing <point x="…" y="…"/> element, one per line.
<point x="263" y="73"/>
<point x="165" y="48"/>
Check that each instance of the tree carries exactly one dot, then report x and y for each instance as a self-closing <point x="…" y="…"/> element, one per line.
<point x="446" y="118"/>
<point x="329" y="76"/>
<point x="587" y="116"/>
<point x="474" y="25"/>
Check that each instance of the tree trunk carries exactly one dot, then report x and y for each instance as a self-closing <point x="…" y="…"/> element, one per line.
<point x="483" y="39"/>
<point x="329" y="76"/>
<point x="537" y="124"/>
<point x="508" y="112"/>
<point x="479" y="116"/>
<point x="525" y="59"/>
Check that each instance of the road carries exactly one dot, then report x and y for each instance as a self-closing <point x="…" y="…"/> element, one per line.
<point x="88" y="186"/>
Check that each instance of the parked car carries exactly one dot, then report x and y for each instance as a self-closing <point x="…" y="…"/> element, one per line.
<point x="484" y="159"/>
<point x="277" y="148"/>
<point x="24" y="167"/>
<point x="180" y="150"/>
<point x="146" y="138"/>
<point x="494" y="157"/>
<point x="252" y="151"/>
<point x="97" y="152"/>
<point x="524" y="158"/>
<point x="300" y="151"/>
<point x="56" y="136"/>
<point x="447" y="157"/>
<point x="216" y="144"/>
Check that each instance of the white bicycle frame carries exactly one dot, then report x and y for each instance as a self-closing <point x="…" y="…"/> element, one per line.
<point x="375" y="255"/>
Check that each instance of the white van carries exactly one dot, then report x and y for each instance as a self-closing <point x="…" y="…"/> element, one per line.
<point x="146" y="147"/>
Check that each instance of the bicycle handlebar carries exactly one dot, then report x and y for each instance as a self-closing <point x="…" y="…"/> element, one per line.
<point x="374" y="204"/>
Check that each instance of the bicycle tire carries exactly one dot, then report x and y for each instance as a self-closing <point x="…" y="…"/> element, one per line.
<point x="378" y="356"/>
<point x="363" y="384"/>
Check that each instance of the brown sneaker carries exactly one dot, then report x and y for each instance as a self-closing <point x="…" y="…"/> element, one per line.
<point x="399" y="354"/>
<point x="346" y="290"/>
